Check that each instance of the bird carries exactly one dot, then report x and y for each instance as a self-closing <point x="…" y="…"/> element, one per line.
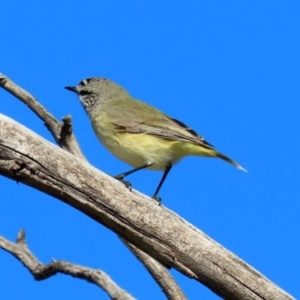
<point x="138" y="133"/>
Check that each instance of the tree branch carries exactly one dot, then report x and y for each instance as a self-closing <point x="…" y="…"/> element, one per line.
<point x="28" y="158"/>
<point x="159" y="273"/>
<point x="64" y="136"/>
<point x="40" y="271"/>
<point x="62" y="132"/>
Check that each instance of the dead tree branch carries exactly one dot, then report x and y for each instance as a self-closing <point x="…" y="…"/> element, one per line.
<point x="62" y="132"/>
<point x="40" y="271"/>
<point x="167" y="283"/>
<point x="28" y="158"/>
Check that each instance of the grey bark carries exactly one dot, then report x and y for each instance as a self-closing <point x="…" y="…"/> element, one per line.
<point x="28" y="158"/>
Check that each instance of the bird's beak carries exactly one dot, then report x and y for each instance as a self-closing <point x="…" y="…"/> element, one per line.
<point x="71" y="88"/>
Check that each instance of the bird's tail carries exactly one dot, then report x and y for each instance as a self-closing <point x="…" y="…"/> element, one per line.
<point x="229" y="160"/>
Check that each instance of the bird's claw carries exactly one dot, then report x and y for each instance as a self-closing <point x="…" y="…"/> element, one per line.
<point x="126" y="183"/>
<point x="157" y="199"/>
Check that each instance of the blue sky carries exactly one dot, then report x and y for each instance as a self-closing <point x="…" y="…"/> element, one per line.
<point x="229" y="70"/>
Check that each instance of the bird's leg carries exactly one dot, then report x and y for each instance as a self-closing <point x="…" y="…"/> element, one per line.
<point x="127" y="183"/>
<point x="121" y="176"/>
<point x="155" y="196"/>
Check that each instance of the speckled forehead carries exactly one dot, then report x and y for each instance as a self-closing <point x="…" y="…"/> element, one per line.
<point x="96" y="80"/>
<point x="84" y="82"/>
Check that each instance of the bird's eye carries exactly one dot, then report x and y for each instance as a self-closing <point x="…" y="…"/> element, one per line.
<point x="83" y="92"/>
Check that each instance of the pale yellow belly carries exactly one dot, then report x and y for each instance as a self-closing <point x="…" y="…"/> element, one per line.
<point x="140" y="149"/>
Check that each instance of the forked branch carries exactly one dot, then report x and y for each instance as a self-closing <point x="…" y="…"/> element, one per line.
<point x="40" y="271"/>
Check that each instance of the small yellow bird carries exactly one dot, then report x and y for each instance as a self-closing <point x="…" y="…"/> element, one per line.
<point x="137" y="133"/>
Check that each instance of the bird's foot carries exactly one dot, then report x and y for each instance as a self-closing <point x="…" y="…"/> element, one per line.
<point x="157" y="199"/>
<point x="126" y="183"/>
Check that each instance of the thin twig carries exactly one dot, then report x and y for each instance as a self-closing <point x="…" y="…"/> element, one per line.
<point x="40" y="271"/>
<point x="64" y="138"/>
<point x="159" y="273"/>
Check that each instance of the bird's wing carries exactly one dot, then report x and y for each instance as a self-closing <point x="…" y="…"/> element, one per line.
<point x="167" y="128"/>
<point x="195" y="136"/>
<point x="152" y="121"/>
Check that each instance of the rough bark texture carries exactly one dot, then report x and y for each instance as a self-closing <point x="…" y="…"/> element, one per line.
<point x="28" y="158"/>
